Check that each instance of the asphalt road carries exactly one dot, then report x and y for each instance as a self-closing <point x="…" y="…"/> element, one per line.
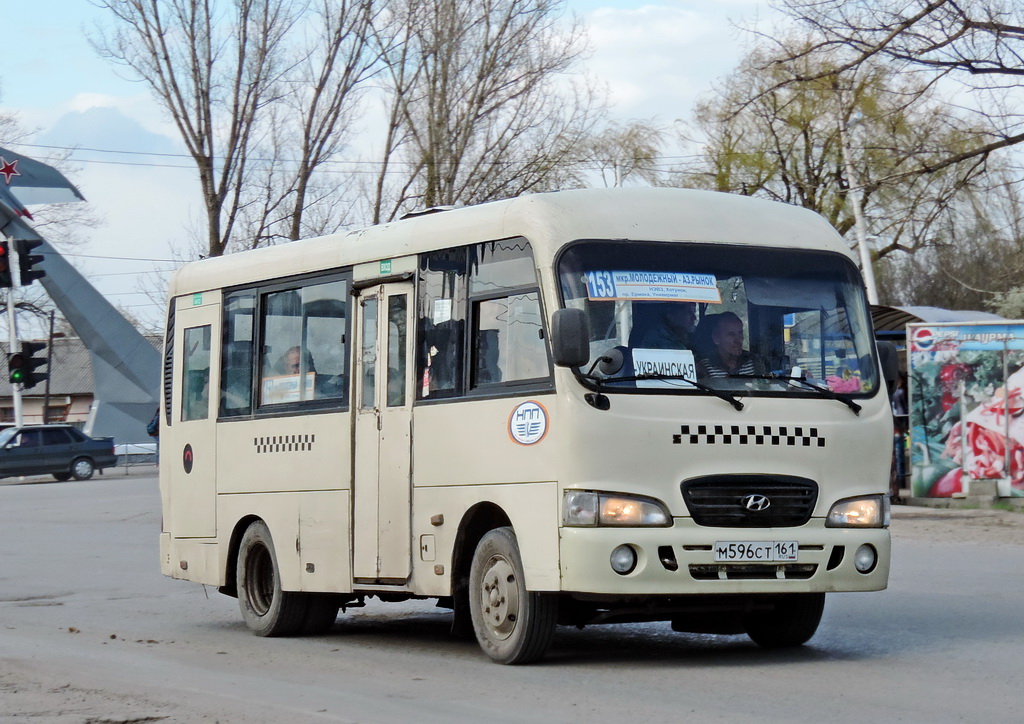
<point x="90" y="632"/>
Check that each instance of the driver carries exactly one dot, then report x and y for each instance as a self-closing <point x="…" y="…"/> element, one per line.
<point x="727" y="356"/>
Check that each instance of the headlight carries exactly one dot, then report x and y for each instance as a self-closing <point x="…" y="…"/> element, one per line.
<point x="871" y="511"/>
<point x="586" y="508"/>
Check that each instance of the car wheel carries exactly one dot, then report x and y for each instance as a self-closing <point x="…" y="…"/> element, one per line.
<point x="62" y="477"/>
<point x="792" y="620"/>
<point x="266" y="609"/>
<point x="512" y="625"/>
<point x="82" y="468"/>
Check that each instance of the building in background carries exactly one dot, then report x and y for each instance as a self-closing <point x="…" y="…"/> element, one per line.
<point x="71" y="387"/>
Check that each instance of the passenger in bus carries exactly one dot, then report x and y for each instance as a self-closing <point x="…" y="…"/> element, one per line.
<point x="663" y="325"/>
<point x="487" y="367"/>
<point x="290" y="362"/>
<point x="725" y="355"/>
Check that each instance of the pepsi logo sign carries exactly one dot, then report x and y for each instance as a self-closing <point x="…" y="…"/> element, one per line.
<point x="923" y="339"/>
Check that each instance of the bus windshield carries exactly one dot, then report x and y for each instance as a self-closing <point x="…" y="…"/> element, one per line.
<point x="671" y="317"/>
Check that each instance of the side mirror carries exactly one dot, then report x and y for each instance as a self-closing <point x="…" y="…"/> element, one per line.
<point x="570" y="338"/>
<point x="888" y="355"/>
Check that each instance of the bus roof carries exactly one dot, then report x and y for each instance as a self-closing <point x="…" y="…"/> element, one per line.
<point x="547" y="220"/>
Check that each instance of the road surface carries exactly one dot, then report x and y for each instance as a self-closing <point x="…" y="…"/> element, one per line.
<point x="90" y="632"/>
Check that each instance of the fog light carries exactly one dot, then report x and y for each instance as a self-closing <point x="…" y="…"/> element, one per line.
<point x="623" y="559"/>
<point x="865" y="559"/>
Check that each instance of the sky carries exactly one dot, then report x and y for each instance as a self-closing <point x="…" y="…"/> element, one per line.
<point x="656" y="58"/>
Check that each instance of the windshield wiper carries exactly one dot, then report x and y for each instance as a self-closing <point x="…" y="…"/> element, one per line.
<point x="721" y="394"/>
<point x="823" y="391"/>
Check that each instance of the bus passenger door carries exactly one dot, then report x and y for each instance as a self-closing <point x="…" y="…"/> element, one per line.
<point x="382" y="494"/>
<point x="188" y="449"/>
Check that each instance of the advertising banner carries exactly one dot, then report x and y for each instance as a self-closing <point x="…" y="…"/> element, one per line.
<point x="966" y="400"/>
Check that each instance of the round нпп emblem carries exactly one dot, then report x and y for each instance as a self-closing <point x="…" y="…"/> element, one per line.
<point x="528" y="423"/>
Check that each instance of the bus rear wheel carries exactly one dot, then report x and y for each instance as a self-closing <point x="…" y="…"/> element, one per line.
<point x="512" y="625"/>
<point x="792" y="620"/>
<point x="266" y="609"/>
<point x="321" y="613"/>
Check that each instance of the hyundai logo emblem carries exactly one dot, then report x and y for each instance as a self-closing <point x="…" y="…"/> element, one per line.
<point x="755" y="502"/>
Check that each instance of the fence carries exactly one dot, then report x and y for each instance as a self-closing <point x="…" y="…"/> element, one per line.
<point x="132" y="454"/>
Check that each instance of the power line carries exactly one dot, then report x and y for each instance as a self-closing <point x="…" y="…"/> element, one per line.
<point x="122" y="258"/>
<point x="663" y="162"/>
<point x="125" y="274"/>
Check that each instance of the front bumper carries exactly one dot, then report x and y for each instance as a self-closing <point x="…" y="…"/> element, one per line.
<point x="680" y="560"/>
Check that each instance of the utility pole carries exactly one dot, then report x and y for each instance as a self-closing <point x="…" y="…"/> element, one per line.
<point x="854" y="194"/>
<point x="12" y="329"/>
<point x="49" y="367"/>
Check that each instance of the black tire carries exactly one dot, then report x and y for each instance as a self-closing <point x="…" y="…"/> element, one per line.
<point x="62" y="477"/>
<point x="266" y="609"/>
<point x="512" y="625"/>
<point x="82" y="468"/>
<point x="792" y="621"/>
<point x="321" y="613"/>
<point x="462" y="618"/>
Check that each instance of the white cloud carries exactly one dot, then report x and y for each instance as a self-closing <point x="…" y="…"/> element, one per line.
<point x="140" y="108"/>
<point x="657" y="59"/>
<point x="144" y="212"/>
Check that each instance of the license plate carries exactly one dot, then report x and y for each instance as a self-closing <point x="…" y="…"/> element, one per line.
<point x="756" y="551"/>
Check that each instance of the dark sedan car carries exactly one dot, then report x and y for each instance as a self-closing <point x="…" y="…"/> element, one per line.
<point x="62" y="451"/>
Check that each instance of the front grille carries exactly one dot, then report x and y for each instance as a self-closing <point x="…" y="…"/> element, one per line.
<point x="722" y="500"/>
<point x="753" y="572"/>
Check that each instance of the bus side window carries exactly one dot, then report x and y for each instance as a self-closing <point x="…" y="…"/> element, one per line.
<point x="493" y="284"/>
<point x="508" y="341"/>
<point x="442" y="323"/>
<point x="236" y="362"/>
<point x="303" y="335"/>
<point x="195" y="388"/>
<point x="508" y="345"/>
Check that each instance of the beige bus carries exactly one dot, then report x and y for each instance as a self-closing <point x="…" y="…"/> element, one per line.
<point x="567" y="408"/>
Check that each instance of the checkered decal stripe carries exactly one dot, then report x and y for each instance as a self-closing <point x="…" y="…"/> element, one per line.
<point x="284" y="443"/>
<point x="749" y="435"/>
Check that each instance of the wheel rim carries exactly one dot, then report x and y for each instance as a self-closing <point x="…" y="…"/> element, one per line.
<point x="83" y="468"/>
<point x="499" y="598"/>
<point x="259" y="579"/>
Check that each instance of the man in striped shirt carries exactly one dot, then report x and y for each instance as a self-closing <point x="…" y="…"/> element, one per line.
<point x="727" y="356"/>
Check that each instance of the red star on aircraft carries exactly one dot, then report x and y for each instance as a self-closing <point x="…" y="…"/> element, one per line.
<point x="8" y="169"/>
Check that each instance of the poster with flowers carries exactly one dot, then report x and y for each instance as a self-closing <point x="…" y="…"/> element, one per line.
<point x="966" y="405"/>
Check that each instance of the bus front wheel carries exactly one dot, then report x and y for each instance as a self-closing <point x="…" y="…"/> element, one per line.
<point x="792" y="620"/>
<point x="266" y="609"/>
<point x="512" y="625"/>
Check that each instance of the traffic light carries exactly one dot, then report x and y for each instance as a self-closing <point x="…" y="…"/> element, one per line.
<point x="26" y="260"/>
<point x="5" y="266"/>
<point x="22" y="365"/>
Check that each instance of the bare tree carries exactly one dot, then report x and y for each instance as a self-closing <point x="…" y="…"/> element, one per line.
<point x="480" y="102"/>
<point x="975" y="259"/>
<point x="979" y="42"/>
<point x="626" y="153"/>
<point x="293" y="193"/>
<point x="265" y="94"/>
<point x="214" y="66"/>
<point x="784" y="141"/>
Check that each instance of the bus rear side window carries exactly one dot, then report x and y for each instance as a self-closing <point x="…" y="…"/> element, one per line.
<point x="195" y="387"/>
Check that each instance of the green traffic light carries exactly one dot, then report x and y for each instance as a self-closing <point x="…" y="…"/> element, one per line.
<point x="17" y="376"/>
